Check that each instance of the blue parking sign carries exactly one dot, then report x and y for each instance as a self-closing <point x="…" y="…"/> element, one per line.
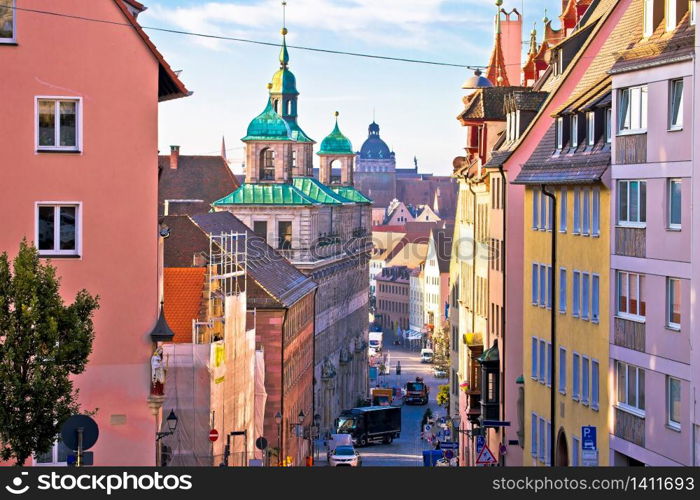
<point x="588" y="438"/>
<point x="480" y="442"/>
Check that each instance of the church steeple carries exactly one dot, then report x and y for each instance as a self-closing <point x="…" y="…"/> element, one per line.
<point x="496" y="72"/>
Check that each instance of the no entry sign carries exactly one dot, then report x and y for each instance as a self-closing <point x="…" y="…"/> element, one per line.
<point x="213" y="435"/>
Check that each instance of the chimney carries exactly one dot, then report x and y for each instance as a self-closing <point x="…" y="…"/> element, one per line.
<point x="512" y="33"/>
<point x="174" y="156"/>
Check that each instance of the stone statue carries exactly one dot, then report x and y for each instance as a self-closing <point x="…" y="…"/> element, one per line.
<point x="157" y="372"/>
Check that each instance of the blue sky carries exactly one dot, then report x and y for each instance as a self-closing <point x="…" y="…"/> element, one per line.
<point x="415" y="104"/>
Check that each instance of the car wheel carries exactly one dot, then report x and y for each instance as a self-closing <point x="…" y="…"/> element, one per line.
<point x="362" y="441"/>
<point x="388" y="439"/>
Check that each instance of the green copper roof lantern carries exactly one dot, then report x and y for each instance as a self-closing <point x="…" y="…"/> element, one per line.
<point x="268" y="126"/>
<point x="336" y="143"/>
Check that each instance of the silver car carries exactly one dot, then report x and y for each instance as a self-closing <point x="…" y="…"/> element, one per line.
<point x="344" y="456"/>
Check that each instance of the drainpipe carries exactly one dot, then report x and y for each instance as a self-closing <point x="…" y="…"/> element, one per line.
<point x="503" y="305"/>
<point x="553" y="323"/>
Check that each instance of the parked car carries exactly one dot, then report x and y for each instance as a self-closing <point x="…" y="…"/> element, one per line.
<point x="439" y="372"/>
<point x="344" y="456"/>
<point x="426" y="355"/>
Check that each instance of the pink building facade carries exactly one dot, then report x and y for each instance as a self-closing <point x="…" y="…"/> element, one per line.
<point x="79" y="142"/>
<point x="654" y="281"/>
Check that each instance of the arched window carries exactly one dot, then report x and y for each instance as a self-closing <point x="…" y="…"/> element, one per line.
<point x="289" y="107"/>
<point x="294" y="159"/>
<point x="336" y="165"/>
<point x="267" y="165"/>
<point x="275" y="104"/>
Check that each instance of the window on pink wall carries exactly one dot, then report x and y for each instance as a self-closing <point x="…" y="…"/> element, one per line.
<point x="630" y="301"/>
<point x="673" y="303"/>
<point x="7" y="21"/>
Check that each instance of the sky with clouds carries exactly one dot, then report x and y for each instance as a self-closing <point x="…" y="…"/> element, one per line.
<point x="414" y="104"/>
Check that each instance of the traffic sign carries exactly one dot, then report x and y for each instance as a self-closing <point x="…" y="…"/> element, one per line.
<point x="480" y="442"/>
<point x="495" y="423"/>
<point x="589" y="458"/>
<point x="449" y="445"/>
<point x="261" y="443"/>
<point x="486" y="457"/>
<point x="427" y="427"/>
<point x="213" y="435"/>
<point x="449" y="454"/>
<point x="79" y="424"/>
<point x="589" y="437"/>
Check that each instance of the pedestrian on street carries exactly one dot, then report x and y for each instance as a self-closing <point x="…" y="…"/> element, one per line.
<point x="398" y="367"/>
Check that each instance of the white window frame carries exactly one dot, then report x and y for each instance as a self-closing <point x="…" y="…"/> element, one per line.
<point x="562" y="209"/>
<point x="78" y="251"/>
<point x="57" y="131"/>
<point x="673" y="424"/>
<point x="586" y="223"/>
<point x="13" y="40"/>
<point x="562" y="290"/>
<point x="534" y="373"/>
<point x="691" y="8"/>
<point x="627" y="222"/>
<point x="624" y="405"/>
<point x="595" y="298"/>
<point x="585" y="380"/>
<point x="542" y="375"/>
<point x="670" y="14"/>
<point x="640" y="280"/>
<point x="550" y="356"/>
<point x="533" y="434"/>
<point x="595" y="384"/>
<point x="562" y="370"/>
<point x="576" y="294"/>
<point x="575" y="376"/>
<point x="669" y="303"/>
<point x="535" y="282"/>
<point x="585" y="296"/>
<point x="535" y="209"/>
<point x="674" y="225"/>
<point x="648" y="19"/>
<point x="637" y="96"/>
<point x="590" y="122"/>
<point x="573" y="134"/>
<point x="608" y="125"/>
<point x="560" y="133"/>
<point x="54" y="458"/>
<point x="675" y="122"/>
<point x="595" y="206"/>
<point x="577" y="211"/>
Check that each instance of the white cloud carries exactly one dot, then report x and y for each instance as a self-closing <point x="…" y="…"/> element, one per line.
<point x="412" y="24"/>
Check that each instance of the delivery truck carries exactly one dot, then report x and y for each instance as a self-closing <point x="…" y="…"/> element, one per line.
<point x="375" y="340"/>
<point x="370" y="424"/>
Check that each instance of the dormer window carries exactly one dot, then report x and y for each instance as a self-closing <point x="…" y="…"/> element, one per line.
<point x="590" y="126"/>
<point x="7" y="21"/>
<point x="648" y="18"/>
<point x="670" y="15"/>
<point x="560" y="133"/>
<point x="574" y="131"/>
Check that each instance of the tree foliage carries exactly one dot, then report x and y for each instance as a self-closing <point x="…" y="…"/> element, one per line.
<point x="441" y="347"/>
<point x="443" y="396"/>
<point x="42" y="344"/>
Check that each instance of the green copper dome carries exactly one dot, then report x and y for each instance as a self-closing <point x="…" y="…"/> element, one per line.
<point x="268" y="126"/>
<point x="336" y="143"/>
<point x="284" y="82"/>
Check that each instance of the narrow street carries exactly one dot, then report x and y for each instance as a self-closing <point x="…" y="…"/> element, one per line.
<point x="407" y="450"/>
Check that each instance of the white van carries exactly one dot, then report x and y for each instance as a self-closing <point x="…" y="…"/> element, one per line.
<point x="426" y="355"/>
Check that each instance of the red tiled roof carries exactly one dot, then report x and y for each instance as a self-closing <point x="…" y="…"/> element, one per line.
<point x="182" y="296"/>
<point x="169" y="85"/>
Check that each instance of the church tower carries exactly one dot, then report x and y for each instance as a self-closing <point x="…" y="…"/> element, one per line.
<point x="375" y="171"/>
<point x="336" y="151"/>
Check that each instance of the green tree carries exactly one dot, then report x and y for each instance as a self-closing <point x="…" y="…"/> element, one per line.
<point x="42" y="344"/>
<point x="443" y="396"/>
<point x="441" y="348"/>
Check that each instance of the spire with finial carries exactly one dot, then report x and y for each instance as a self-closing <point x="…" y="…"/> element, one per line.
<point x="533" y="40"/>
<point x="284" y="53"/>
<point x="223" y="148"/>
<point x="496" y="72"/>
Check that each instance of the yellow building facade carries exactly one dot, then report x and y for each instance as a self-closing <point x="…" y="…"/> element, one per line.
<point x="581" y="301"/>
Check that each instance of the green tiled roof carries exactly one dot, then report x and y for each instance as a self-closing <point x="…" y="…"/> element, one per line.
<point x="336" y="143"/>
<point x="312" y="188"/>
<point x="266" y="194"/>
<point x="351" y="194"/>
<point x="268" y="126"/>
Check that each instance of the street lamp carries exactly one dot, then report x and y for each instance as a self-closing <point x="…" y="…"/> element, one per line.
<point x="278" y="421"/>
<point x="172" y="426"/>
<point x="300" y="432"/>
